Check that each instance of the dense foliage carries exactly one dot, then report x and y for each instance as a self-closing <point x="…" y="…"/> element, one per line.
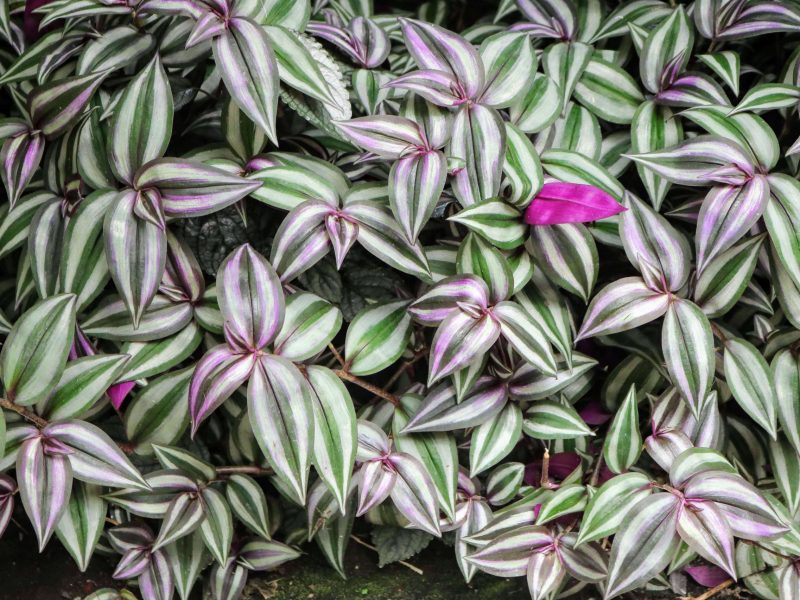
<point x="554" y="257"/>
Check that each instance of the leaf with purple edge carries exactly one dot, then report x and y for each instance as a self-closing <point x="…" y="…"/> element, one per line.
<point x="644" y="544"/>
<point x="217" y="375"/>
<point x="479" y="138"/>
<point x="249" y="69"/>
<point x="20" y="156"/>
<point x="94" y="456"/>
<point x="44" y="477"/>
<point x="413" y="493"/>
<point x="136" y="251"/>
<point x="34" y="354"/>
<point x="282" y="419"/>
<point x="56" y="106"/>
<point x="416" y="182"/>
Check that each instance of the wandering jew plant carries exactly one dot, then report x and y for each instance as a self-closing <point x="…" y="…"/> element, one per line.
<point x="277" y="271"/>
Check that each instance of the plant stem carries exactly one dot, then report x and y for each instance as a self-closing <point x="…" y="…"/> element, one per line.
<point x="714" y="591"/>
<point x="381" y="393"/>
<point x="545" y="479"/>
<point x="336" y="354"/>
<point x="253" y="470"/>
<point x="26" y="414"/>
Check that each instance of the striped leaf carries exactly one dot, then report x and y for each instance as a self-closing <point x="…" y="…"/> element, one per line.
<point x="250" y="298"/>
<point x="510" y="63"/>
<point x="377" y="337"/>
<point x="435" y="451"/>
<point x="608" y="91"/>
<point x="625" y="304"/>
<point x="82" y="384"/>
<point x="282" y="420"/>
<point x="160" y="413"/>
<point x="574" y="167"/>
<point x="20" y="155"/>
<point x="688" y="346"/>
<point x="460" y="339"/>
<point x="565" y="63"/>
<point x="750" y="381"/>
<point x="45" y="484"/>
<point x="387" y="136"/>
<point x="494" y="439"/>
<point x="694" y="162"/>
<point x="216" y="377"/>
<point x="539" y="107"/>
<point x="726" y="65"/>
<point x="433" y="47"/>
<point x="528" y="384"/>
<point x="415" y="185"/>
<point x="94" y="457"/>
<point x="334" y="430"/>
<point x="189" y="188"/>
<point x="298" y="68"/>
<point x="549" y="420"/>
<point x="654" y="128"/>
<point x="217" y="528"/>
<point x="508" y="554"/>
<point x="84" y="270"/>
<point x="503" y="483"/>
<point x="288" y="186"/>
<point x="414" y="494"/>
<point x="567" y="499"/>
<point x="623" y="443"/>
<point x="497" y="222"/>
<point x="568" y="256"/>
<point x="785" y="464"/>
<point x="478" y="138"/>
<point x="81" y="525"/>
<point x="440" y="410"/>
<point x="249" y="70"/>
<point x="184" y="514"/>
<point x="302" y="239"/>
<point x="310" y="323"/>
<point x="649" y="238"/>
<point x="726" y="276"/>
<point x="248" y="503"/>
<point x="542" y="303"/>
<point x="45" y="239"/>
<point x="645" y="543"/>
<point x="668" y="46"/>
<point x="188" y="557"/>
<point x="15" y="223"/>
<point x="768" y="96"/>
<point x="521" y="167"/>
<point x="727" y="214"/>
<point x="782" y="218"/>
<point x="786" y="379"/>
<point x="174" y="457"/>
<point x="609" y="506"/>
<point x="34" y="354"/>
<point x="136" y="251"/>
<point x="523" y="332"/>
<point x="380" y="235"/>
<point x="478" y="257"/>
<point x="162" y="318"/>
<point x="55" y="106"/>
<point x="142" y="123"/>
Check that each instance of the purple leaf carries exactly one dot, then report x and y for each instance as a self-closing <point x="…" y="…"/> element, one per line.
<point x="559" y="202"/>
<point x="119" y="391"/>
<point x="707" y="576"/>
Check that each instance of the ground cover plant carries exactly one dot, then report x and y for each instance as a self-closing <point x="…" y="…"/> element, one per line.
<point x="521" y="277"/>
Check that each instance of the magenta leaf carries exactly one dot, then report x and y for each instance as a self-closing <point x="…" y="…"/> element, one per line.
<point x="559" y="202"/>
